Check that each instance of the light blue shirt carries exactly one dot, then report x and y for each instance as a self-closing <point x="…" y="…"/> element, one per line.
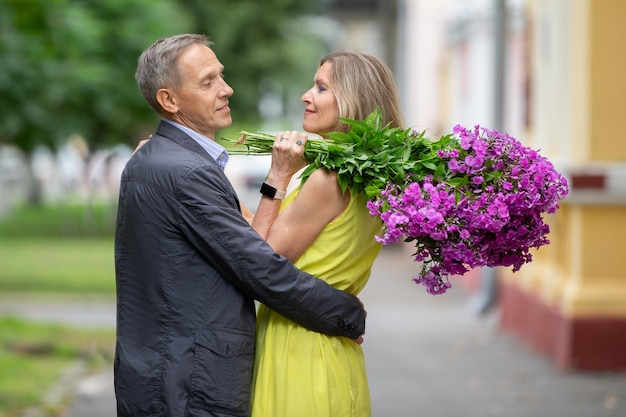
<point x="217" y="151"/>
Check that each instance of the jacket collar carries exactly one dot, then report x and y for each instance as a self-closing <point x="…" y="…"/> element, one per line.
<point x="174" y="134"/>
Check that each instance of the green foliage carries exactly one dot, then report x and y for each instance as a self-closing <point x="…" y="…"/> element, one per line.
<point x="367" y="157"/>
<point x="68" y="65"/>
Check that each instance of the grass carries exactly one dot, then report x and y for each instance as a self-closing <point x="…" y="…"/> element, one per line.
<point x="64" y="249"/>
<point x="76" y="266"/>
<point x="59" y="251"/>
<point x="66" y="221"/>
<point x="34" y="356"/>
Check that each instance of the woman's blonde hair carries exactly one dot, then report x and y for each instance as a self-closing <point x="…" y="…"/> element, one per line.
<point x="362" y="83"/>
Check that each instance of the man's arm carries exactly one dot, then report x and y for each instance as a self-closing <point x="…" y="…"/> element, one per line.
<point x="245" y="259"/>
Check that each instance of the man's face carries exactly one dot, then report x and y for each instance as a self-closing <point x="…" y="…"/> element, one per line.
<point x="202" y="96"/>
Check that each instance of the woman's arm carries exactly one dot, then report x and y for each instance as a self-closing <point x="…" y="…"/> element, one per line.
<point x="319" y="202"/>
<point x="287" y="159"/>
<point x="246" y="213"/>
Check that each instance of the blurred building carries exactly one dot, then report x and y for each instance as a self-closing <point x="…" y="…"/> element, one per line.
<point x="548" y="72"/>
<point x="570" y="303"/>
<point x="369" y="26"/>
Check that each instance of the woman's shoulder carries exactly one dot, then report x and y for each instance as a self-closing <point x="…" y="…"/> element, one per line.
<point x="322" y="179"/>
<point x="321" y="188"/>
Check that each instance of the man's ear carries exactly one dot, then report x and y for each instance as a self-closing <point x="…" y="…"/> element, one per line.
<point x="167" y="100"/>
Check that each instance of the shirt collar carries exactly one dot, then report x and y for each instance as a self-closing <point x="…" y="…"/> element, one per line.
<point x="213" y="148"/>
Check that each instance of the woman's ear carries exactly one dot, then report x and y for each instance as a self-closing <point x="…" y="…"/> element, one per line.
<point x="167" y="100"/>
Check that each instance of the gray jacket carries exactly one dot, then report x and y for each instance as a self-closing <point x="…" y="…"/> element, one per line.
<point x="188" y="268"/>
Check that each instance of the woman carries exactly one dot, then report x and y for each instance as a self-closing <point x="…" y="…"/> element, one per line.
<point x="329" y="234"/>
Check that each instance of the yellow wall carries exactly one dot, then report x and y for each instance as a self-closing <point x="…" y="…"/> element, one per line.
<point x="607" y="106"/>
<point x="583" y="271"/>
<point x="594" y="281"/>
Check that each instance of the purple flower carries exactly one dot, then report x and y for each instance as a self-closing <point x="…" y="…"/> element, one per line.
<point x="484" y="211"/>
<point x="454" y="165"/>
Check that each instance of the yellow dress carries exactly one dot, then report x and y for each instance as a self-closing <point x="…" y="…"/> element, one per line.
<point x="301" y="373"/>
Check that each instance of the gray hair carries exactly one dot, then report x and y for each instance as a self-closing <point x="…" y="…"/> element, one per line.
<point x="158" y="65"/>
<point x="361" y="83"/>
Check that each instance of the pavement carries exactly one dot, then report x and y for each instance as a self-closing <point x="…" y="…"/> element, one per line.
<point x="426" y="356"/>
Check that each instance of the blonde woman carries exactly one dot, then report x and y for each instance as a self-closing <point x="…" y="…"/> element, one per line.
<point x="298" y="372"/>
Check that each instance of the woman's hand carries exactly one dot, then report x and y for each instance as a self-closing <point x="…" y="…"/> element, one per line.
<point x="287" y="157"/>
<point x="140" y="144"/>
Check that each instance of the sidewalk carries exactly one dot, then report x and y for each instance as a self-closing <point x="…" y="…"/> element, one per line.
<point x="428" y="356"/>
<point x="431" y="356"/>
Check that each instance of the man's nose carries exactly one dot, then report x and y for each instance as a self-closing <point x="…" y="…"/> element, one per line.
<point x="227" y="89"/>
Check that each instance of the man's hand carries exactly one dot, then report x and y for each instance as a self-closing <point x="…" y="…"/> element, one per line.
<point x="359" y="339"/>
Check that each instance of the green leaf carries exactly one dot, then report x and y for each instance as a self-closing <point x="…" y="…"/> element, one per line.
<point x="458" y="182"/>
<point x="439" y="172"/>
<point x="431" y="166"/>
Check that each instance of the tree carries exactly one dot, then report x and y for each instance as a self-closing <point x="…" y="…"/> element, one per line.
<point x="68" y="68"/>
<point x="68" y="65"/>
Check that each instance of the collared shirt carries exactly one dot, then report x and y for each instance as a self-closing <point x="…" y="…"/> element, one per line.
<point x="217" y="151"/>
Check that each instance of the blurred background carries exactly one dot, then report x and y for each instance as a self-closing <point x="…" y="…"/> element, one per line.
<point x="549" y="72"/>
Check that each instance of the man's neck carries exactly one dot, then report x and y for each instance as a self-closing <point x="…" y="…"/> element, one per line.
<point x="184" y="123"/>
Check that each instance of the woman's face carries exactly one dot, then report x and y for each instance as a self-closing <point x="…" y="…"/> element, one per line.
<point x="321" y="113"/>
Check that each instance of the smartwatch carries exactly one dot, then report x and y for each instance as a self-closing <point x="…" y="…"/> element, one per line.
<point x="271" y="192"/>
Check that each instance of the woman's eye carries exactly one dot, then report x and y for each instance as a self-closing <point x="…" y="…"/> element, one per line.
<point x="321" y="88"/>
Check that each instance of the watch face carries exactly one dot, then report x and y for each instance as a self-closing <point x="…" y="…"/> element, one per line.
<point x="268" y="190"/>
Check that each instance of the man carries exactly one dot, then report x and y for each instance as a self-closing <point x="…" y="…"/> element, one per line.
<point x="188" y="265"/>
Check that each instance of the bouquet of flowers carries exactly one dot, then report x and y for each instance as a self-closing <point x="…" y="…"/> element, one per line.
<point x="470" y="199"/>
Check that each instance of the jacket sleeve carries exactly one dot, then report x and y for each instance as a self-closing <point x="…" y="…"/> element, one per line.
<point x="211" y="219"/>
